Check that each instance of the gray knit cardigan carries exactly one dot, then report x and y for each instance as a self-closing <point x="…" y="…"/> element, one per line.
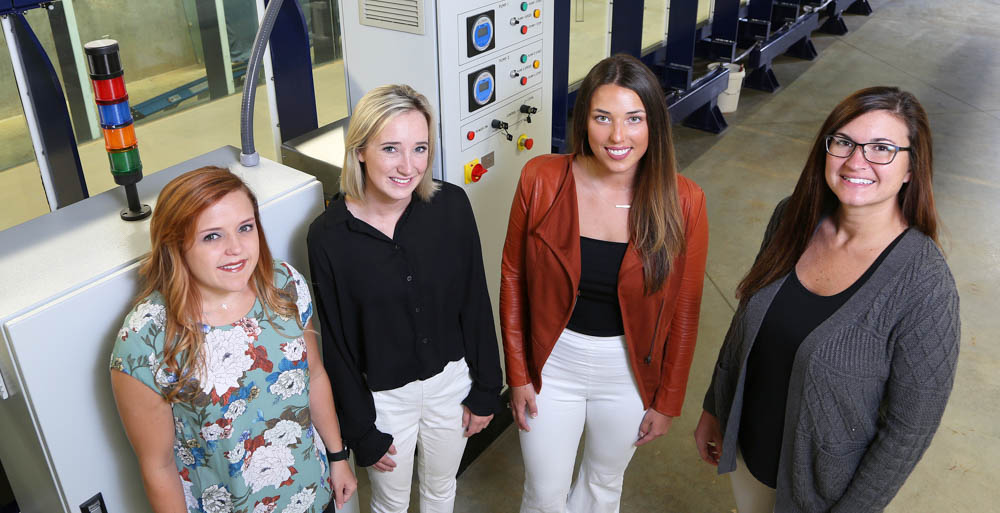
<point x="868" y="385"/>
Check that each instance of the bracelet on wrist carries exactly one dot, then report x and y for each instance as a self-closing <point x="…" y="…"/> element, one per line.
<point x="341" y="455"/>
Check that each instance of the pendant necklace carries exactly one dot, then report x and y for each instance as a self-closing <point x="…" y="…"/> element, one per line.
<point x="205" y="327"/>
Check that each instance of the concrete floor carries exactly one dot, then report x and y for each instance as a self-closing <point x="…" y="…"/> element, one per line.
<point x="944" y="51"/>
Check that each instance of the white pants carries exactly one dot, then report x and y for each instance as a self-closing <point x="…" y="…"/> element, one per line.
<point x="751" y="495"/>
<point x="427" y="413"/>
<point x="586" y="384"/>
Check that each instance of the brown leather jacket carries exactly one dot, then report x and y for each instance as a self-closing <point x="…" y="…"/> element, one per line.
<point x="541" y="274"/>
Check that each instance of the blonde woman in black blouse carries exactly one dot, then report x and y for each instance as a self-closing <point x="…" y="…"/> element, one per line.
<point x="406" y="320"/>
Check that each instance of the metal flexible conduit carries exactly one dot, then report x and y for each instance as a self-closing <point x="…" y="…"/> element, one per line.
<point x="248" y="153"/>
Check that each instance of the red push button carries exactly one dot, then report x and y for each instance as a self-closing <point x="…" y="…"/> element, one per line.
<point x="524" y="29"/>
<point x="524" y="142"/>
<point x="524" y="80"/>
<point x="471" y="135"/>
<point x="477" y="172"/>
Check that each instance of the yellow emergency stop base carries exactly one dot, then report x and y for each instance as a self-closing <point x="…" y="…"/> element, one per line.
<point x="469" y="166"/>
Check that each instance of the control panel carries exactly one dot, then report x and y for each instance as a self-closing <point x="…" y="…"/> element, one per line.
<point x="501" y="94"/>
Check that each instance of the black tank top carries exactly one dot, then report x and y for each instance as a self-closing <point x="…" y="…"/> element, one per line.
<point x="597" y="312"/>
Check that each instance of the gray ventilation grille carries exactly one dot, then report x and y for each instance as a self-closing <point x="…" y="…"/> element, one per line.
<point x="401" y="15"/>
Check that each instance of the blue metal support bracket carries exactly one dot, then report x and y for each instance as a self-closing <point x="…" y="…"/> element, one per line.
<point x="784" y="12"/>
<point x="834" y="10"/>
<point x="757" y="24"/>
<point x="625" y="17"/>
<point x="861" y="7"/>
<point x="722" y="44"/>
<point x="295" y="92"/>
<point x="63" y="173"/>
<point x="792" y="39"/>
<point x="698" y="107"/>
<point x="560" y="78"/>
<point x="19" y="6"/>
<point x="678" y="69"/>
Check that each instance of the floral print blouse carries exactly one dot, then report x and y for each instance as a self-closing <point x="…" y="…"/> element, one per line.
<point x="245" y="443"/>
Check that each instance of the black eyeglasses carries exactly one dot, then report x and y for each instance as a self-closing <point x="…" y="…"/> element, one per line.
<point x="874" y="152"/>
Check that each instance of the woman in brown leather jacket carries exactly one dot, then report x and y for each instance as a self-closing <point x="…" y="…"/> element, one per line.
<point x="600" y="292"/>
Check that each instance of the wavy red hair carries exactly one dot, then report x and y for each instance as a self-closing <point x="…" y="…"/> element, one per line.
<point x="171" y="234"/>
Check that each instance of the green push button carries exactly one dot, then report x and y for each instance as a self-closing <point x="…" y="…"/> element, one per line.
<point x="524" y="6"/>
<point x="524" y="58"/>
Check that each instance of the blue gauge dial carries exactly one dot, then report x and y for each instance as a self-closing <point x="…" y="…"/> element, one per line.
<point x="482" y="33"/>
<point x="483" y="88"/>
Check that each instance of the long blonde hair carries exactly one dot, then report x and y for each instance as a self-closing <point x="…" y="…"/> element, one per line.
<point x="171" y="234"/>
<point x="655" y="222"/>
<point x="372" y="113"/>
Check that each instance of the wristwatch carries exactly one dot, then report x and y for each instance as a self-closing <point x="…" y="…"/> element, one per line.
<point x="338" y="456"/>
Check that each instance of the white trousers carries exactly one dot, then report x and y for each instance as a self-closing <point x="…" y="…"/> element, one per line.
<point x="427" y="413"/>
<point x="586" y="385"/>
<point x="751" y="495"/>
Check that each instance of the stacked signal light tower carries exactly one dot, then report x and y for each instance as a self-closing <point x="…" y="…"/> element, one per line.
<point x="107" y="77"/>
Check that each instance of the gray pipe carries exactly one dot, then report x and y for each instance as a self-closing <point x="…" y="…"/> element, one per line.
<point x="248" y="154"/>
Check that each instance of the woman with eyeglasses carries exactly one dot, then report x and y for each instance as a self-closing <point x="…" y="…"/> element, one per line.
<point x="839" y="360"/>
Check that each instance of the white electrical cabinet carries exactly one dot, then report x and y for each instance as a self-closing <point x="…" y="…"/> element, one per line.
<point x="486" y="68"/>
<point x="68" y="278"/>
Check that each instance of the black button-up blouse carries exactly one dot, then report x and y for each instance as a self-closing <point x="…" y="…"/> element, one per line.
<point x="393" y="311"/>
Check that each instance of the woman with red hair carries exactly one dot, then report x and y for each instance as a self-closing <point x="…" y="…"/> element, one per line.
<point x="216" y="371"/>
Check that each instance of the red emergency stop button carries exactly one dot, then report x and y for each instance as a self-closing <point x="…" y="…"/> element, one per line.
<point x="524" y="29"/>
<point x="471" y="135"/>
<point x="524" y="142"/>
<point x="477" y="172"/>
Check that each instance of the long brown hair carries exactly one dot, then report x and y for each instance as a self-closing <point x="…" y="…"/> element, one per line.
<point x="812" y="199"/>
<point x="171" y="234"/>
<point x="655" y="223"/>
